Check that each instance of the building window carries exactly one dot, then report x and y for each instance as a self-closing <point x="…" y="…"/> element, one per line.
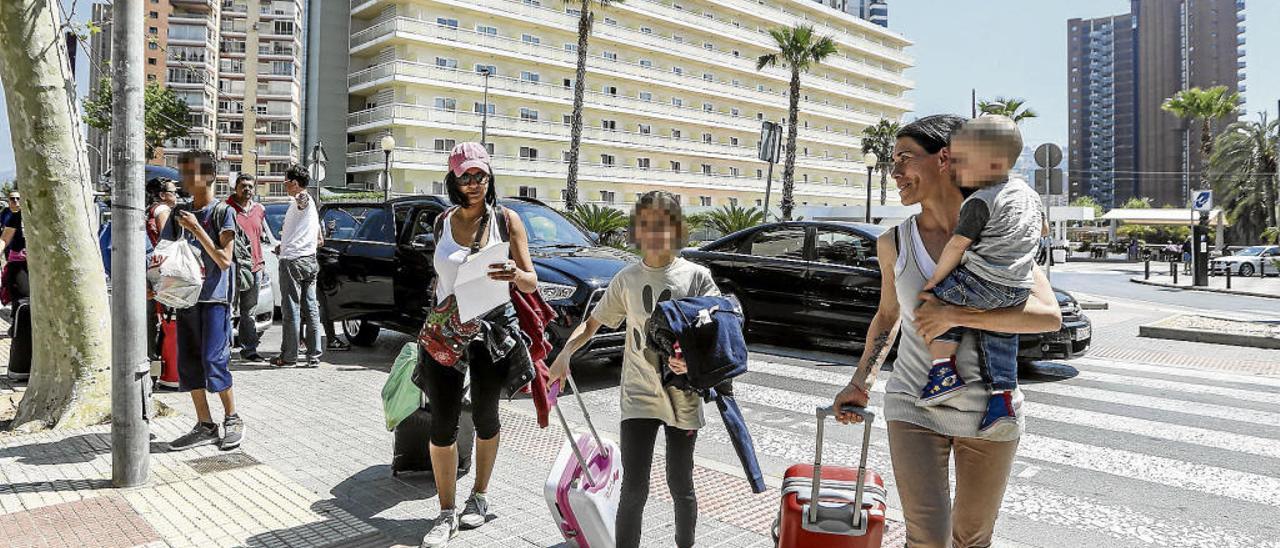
<point x="492" y="70"/>
<point x="151" y="61"/>
<point x="708" y="46"/>
<point x="704" y="201"/>
<point x="642" y="163"/>
<point x="708" y="77"/>
<point x="528" y="153"/>
<point x="676" y="101"/>
<point x="446" y="62"/>
<point x="573" y="12"/>
<point x="155" y="15"/>
<point x="646" y="30"/>
<point x="478" y="108"/>
<point x="706" y="137"/>
<point x="733" y="141"/>
<point x="646" y="96"/>
<point x="610" y="90"/>
<point x="733" y="202"/>
<point x="446" y="103"/>
<point x="607" y="159"/>
<point x="610" y="55"/>
<point x="706" y="169"/>
<point x="646" y="63"/>
<point x="568" y="119"/>
<point x="528" y="114"/>
<point x="646" y="129"/>
<point x="733" y="172"/>
<point x="445" y="22"/>
<point x="759" y="175"/>
<point x="530" y="39"/>
<point x="609" y="125"/>
<point x="486" y="29"/>
<point x="568" y="83"/>
<point x="677" y="70"/>
<point x="708" y="107"/>
<point x="528" y="192"/>
<point x="675" y="134"/>
<point x="607" y="196"/>
<point x="153" y="30"/>
<point x="153" y="46"/>
<point x="527" y="76"/>
<point x="675" y="165"/>
<point x="610" y="21"/>
<point x="571" y="48"/>
<point x="444" y="145"/>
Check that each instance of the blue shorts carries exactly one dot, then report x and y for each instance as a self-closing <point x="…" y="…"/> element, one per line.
<point x="204" y="347"/>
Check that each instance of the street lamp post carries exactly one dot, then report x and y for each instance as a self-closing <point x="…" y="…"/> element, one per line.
<point x="870" y="159"/>
<point x="388" y="144"/>
<point x="484" y="118"/>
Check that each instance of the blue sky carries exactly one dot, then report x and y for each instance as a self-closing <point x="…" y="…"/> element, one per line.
<point x="959" y="45"/>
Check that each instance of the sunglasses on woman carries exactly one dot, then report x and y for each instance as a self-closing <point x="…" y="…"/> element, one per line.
<point x="472" y="179"/>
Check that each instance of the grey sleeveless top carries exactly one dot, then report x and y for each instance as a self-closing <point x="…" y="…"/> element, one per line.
<point x="958" y="416"/>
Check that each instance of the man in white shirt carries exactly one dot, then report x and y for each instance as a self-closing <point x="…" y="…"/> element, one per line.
<point x="298" y="270"/>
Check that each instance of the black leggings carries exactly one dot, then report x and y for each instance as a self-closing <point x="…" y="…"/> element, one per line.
<point x="444" y="392"/>
<point x="638" y="437"/>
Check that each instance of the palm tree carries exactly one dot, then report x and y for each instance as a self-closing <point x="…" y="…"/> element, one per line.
<point x="1242" y="170"/>
<point x="799" y="49"/>
<point x="728" y="219"/>
<point x="1206" y="105"/>
<point x="586" y="17"/>
<point x="608" y="223"/>
<point x="1007" y="106"/>
<point x="880" y="139"/>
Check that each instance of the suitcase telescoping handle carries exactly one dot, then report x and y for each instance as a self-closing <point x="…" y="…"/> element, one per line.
<point x="867" y="418"/>
<point x="553" y="393"/>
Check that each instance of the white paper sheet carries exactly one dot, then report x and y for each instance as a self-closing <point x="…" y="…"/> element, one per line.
<point x="476" y="293"/>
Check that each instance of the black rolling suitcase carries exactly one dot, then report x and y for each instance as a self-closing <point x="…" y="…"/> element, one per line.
<point x="20" y="347"/>
<point x="413" y="440"/>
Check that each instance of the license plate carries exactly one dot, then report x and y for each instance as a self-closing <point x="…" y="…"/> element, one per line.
<point x="1081" y="333"/>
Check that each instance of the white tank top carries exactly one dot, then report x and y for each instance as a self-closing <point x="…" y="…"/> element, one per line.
<point x="450" y="255"/>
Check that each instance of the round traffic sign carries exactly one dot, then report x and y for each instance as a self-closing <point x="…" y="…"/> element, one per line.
<point x="1048" y="155"/>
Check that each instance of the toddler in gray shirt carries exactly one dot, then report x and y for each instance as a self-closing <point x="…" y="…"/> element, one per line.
<point x="988" y="262"/>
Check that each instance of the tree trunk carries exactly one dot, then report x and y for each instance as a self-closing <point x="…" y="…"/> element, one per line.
<point x="884" y="182"/>
<point x="70" y="377"/>
<point x="789" y="165"/>
<point x="579" y="87"/>
<point x="1206" y="148"/>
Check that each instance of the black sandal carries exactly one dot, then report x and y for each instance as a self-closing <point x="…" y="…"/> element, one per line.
<point x="279" y="362"/>
<point x="339" y="344"/>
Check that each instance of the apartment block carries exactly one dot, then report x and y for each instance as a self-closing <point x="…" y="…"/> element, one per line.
<point x="1121" y="69"/>
<point x="250" y="117"/>
<point x="673" y="99"/>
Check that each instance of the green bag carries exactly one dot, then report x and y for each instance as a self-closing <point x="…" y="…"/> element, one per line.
<point x="400" y="397"/>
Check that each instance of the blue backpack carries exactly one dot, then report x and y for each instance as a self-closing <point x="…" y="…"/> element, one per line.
<point x="709" y="330"/>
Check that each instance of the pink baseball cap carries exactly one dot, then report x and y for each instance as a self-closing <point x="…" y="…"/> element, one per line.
<point x="468" y="155"/>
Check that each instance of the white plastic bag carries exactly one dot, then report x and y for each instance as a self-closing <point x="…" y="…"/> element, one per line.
<point x="175" y="274"/>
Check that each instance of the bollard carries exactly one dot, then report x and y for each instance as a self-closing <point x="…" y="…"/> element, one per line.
<point x="1175" y="272"/>
<point x="1146" y="269"/>
<point x="1227" y="268"/>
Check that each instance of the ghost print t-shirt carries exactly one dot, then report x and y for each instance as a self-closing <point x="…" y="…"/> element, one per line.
<point x="632" y="297"/>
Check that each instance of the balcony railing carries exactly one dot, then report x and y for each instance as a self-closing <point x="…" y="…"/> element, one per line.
<point x="433" y="33"/>
<point x="437" y="161"/>
<point x="497" y="125"/>
<point x="407" y="70"/>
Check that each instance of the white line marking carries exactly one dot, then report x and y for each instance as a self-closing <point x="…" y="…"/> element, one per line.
<point x="1224" y="412"/>
<point x="1190" y="375"/>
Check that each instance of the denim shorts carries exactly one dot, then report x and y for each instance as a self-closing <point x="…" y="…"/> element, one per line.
<point x="964" y="288"/>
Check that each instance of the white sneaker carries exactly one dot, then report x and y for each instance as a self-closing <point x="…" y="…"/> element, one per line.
<point x="476" y="511"/>
<point x="445" y="528"/>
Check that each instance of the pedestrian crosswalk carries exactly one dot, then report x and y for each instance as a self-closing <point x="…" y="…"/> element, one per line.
<point x="1117" y="454"/>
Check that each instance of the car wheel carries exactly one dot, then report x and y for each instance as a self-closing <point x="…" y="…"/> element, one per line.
<point x="1246" y="270"/>
<point x="360" y="332"/>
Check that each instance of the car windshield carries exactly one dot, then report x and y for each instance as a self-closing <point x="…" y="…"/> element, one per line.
<point x="1251" y="251"/>
<point x="275" y="218"/>
<point x="548" y="228"/>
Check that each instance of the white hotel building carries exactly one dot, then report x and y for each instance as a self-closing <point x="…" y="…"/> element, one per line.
<point x="673" y="98"/>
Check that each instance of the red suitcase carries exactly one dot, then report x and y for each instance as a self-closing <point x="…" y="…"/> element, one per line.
<point x="851" y="501"/>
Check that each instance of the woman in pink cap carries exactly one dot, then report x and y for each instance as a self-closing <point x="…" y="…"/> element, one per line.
<point x="468" y="227"/>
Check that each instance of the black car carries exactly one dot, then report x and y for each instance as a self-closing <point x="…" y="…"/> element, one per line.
<point x="822" y="280"/>
<point x="376" y="266"/>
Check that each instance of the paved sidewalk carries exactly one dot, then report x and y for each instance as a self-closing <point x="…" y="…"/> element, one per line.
<point x="314" y="471"/>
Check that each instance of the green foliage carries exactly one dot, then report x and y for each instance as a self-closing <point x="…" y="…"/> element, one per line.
<point x="880" y="138"/>
<point x="362" y="196"/>
<point x="697" y="221"/>
<point x="608" y="222"/>
<point x="165" y="117"/>
<point x="1137" y="203"/>
<point x="1271" y="235"/>
<point x="1202" y="104"/>
<point x="7" y="186"/>
<point x="798" y="48"/>
<point x="1088" y="201"/>
<point x="1007" y="106"/>
<point x="1242" y="174"/>
<point x="728" y="219"/>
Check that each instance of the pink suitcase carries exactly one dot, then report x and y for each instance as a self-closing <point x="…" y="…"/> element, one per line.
<point x="584" y="484"/>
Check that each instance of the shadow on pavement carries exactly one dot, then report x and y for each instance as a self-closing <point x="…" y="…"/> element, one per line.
<point x="73" y="450"/>
<point x="1048" y="371"/>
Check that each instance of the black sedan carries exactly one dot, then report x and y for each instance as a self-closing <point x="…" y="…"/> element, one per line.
<point x="376" y="267"/>
<point x="822" y="280"/>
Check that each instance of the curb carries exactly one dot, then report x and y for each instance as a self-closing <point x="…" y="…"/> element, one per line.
<point x="1178" y="334"/>
<point x="1205" y="289"/>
